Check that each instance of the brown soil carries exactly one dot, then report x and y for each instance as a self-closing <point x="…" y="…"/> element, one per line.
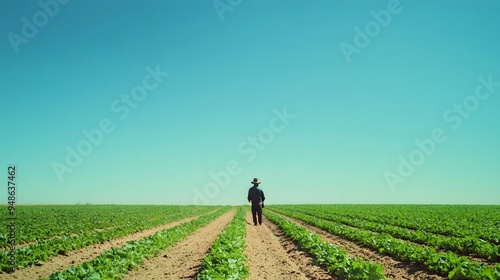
<point x="267" y="259"/>
<point x="183" y="260"/>
<point x="393" y="269"/>
<point x="63" y="262"/>
<point x="271" y="255"/>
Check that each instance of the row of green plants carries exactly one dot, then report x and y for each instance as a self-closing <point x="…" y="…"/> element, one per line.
<point x="40" y="222"/>
<point x="117" y="262"/>
<point x="38" y="253"/>
<point x="446" y="264"/>
<point x="226" y="259"/>
<point x="462" y="245"/>
<point x="481" y="221"/>
<point x="334" y="258"/>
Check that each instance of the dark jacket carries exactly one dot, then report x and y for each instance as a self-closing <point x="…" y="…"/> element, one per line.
<point x="256" y="195"/>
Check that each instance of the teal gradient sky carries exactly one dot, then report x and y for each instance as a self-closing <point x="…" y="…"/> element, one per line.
<point x="226" y="80"/>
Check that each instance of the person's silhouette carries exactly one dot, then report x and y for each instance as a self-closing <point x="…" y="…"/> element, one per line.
<point x="256" y="197"/>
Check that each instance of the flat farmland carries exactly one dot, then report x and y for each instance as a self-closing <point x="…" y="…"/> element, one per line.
<point x="221" y="242"/>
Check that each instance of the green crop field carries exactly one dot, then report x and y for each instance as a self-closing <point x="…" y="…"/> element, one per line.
<point x="250" y="140"/>
<point x="442" y="241"/>
<point x="460" y="242"/>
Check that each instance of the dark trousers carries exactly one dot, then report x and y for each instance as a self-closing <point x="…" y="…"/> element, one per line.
<point x="256" y="209"/>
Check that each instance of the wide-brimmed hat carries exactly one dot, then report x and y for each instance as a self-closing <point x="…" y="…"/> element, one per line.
<point x="255" y="181"/>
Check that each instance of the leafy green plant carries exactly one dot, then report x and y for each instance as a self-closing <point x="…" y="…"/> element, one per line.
<point x="226" y="259"/>
<point x="461" y="245"/>
<point x="446" y="264"/>
<point x="38" y="253"/>
<point x="40" y="222"/>
<point x="115" y="263"/>
<point x="332" y="257"/>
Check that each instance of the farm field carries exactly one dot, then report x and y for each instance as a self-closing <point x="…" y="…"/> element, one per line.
<point x="221" y="242"/>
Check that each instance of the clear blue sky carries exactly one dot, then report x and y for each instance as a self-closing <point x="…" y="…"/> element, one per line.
<point x="229" y="71"/>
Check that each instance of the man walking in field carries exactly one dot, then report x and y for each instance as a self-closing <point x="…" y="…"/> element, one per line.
<point x="256" y="196"/>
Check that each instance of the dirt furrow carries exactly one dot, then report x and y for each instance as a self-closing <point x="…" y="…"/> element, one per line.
<point x="393" y="269"/>
<point x="62" y="262"/>
<point x="272" y="256"/>
<point x="183" y="260"/>
<point x="25" y="244"/>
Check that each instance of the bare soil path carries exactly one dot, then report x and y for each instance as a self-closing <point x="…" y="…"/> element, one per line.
<point x="271" y="256"/>
<point x="63" y="262"/>
<point x="183" y="260"/>
<point x="393" y="269"/>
